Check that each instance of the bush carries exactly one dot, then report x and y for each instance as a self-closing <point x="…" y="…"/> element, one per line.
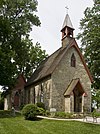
<point x="47" y="113"/>
<point x="5" y="113"/>
<point x="30" y="111"/>
<point x="21" y="106"/>
<point x="69" y="115"/>
<point x="41" y="111"/>
<point x="41" y="105"/>
<point x="60" y="114"/>
<point x="95" y="113"/>
<point x="63" y="115"/>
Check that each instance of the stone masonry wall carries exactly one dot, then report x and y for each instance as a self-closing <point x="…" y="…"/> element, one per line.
<point x="62" y="77"/>
<point x="40" y="92"/>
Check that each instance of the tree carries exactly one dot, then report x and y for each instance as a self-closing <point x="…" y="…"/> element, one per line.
<point x="96" y="97"/>
<point x="90" y="39"/>
<point x="30" y="58"/>
<point x="16" y="20"/>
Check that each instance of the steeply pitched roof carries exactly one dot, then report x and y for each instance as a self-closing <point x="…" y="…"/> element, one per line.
<point x="47" y="67"/>
<point x="67" y="22"/>
<point x="72" y="86"/>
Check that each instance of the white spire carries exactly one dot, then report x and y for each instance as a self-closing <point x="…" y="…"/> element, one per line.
<point x="67" y="22"/>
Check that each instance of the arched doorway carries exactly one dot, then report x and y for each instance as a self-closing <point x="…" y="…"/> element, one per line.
<point x="74" y="100"/>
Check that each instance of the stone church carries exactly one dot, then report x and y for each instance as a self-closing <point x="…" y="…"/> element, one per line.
<point x="62" y="81"/>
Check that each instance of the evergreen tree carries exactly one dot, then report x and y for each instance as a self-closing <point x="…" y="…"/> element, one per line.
<point x="90" y="39"/>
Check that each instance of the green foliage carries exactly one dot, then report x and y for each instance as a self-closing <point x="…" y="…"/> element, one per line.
<point x="96" y="97"/>
<point x="90" y="39"/>
<point x="41" y="111"/>
<point x="41" y="105"/>
<point x="8" y="114"/>
<point x="63" y="115"/>
<point x="68" y="115"/>
<point x="97" y="114"/>
<point x="1" y="101"/>
<point x="5" y="113"/>
<point x="30" y="111"/>
<point x="2" y="104"/>
<point x="0" y="95"/>
<point x="21" y="106"/>
<point x="60" y="114"/>
<point x="47" y="113"/>
<point x="17" y="52"/>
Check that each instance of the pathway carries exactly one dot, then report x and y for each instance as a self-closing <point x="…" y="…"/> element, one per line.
<point x="87" y="120"/>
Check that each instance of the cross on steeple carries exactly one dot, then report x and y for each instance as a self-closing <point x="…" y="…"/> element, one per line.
<point x="67" y="28"/>
<point x="66" y="9"/>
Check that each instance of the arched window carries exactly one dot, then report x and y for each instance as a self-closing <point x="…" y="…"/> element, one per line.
<point x="73" y="60"/>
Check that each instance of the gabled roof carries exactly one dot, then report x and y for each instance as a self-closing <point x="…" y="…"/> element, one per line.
<point x="67" y="22"/>
<point x="71" y="87"/>
<point x="47" y="67"/>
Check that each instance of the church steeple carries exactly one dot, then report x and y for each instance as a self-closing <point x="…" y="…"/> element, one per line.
<point x="67" y="28"/>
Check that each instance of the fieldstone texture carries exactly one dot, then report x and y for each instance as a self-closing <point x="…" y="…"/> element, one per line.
<point x="51" y="90"/>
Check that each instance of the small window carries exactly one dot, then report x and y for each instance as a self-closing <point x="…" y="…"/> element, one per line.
<point x="73" y="60"/>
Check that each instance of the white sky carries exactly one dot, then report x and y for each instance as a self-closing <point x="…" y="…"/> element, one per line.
<point x="52" y="14"/>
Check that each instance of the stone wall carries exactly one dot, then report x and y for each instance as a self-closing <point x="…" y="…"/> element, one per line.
<point x="42" y="92"/>
<point x="62" y="77"/>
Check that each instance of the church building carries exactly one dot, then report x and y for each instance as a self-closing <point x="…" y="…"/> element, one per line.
<point x="15" y="97"/>
<point x="62" y="81"/>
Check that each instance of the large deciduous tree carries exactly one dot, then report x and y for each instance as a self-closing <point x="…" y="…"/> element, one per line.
<point x="90" y="39"/>
<point x="17" y="53"/>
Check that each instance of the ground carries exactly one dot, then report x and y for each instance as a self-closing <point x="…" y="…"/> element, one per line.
<point x="18" y="125"/>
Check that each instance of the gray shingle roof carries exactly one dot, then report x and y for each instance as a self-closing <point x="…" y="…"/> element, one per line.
<point x="47" y="66"/>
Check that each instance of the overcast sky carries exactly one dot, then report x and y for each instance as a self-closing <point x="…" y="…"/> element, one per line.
<point x="52" y="14"/>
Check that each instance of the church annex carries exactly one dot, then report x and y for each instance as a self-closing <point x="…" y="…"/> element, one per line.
<point x="62" y="81"/>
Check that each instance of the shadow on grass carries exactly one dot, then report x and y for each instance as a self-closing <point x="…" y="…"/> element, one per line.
<point x="34" y="119"/>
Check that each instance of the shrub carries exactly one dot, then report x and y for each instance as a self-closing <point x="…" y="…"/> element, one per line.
<point x="41" y="111"/>
<point x="30" y="111"/>
<point x="95" y="113"/>
<point x="60" y="114"/>
<point x="69" y="115"/>
<point x="41" y="105"/>
<point x="5" y="113"/>
<point x="21" y="106"/>
<point x="47" y="113"/>
<point x="63" y="115"/>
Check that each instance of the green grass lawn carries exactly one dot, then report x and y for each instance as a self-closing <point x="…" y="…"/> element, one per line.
<point x="18" y="125"/>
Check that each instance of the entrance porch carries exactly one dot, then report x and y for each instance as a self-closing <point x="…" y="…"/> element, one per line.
<point x="74" y="97"/>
